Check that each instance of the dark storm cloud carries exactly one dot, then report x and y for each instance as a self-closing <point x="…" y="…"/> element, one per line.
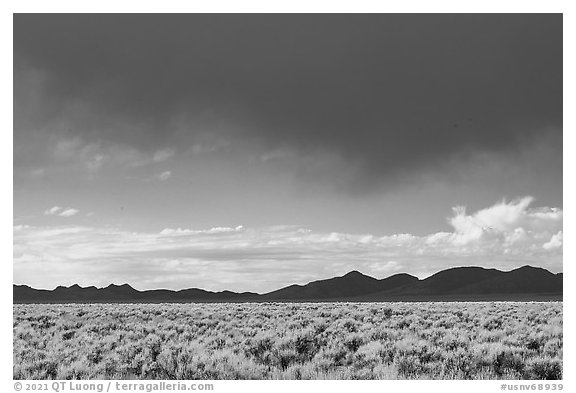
<point x="393" y="93"/>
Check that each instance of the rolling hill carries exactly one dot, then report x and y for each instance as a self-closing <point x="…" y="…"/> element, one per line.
<point x="455" y="284"/>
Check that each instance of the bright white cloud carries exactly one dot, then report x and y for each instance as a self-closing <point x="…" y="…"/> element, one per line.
<point x="52" y="211"/>
<point x="61" y="212"/>
<point x="555" y="242"/>
<point x="69" y="212"/>
<point x="505" y="236"/>
<point x="180" y="231"/>
<point x="512" y="227"/>
<point x="505" y="217"/>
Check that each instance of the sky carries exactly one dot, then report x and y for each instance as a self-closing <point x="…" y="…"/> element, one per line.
<point x="253" y="151"/>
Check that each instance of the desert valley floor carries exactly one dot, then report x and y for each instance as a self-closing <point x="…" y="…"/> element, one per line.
<point x="451" y="340"/>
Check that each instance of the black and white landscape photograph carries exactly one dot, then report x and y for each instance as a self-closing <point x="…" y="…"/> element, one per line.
<point x="287" y="196"/>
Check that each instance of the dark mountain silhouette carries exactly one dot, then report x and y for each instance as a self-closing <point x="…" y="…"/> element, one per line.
<point x="477" y="283"/>
<point x="350" y="285"/>
<point x="456" y="284"/>
<point x="526" y="279"/>
<point x="122" y="294"/>
<point x="453" y="279"/>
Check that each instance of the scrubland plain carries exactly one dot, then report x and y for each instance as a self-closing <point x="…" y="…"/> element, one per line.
<point x="499" y="340"/>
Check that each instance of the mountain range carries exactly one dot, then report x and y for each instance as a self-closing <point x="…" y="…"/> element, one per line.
<point x="456" y="284"/>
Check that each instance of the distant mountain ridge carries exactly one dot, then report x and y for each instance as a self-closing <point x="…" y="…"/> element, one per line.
<point x="350" y="285"/>
<point x="455" y="284"/>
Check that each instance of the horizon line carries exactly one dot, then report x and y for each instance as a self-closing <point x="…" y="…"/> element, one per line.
<point x="288" y="285"/>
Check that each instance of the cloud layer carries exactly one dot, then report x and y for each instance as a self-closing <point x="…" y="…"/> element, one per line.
<point x="505" y="235"/>
<point x="391" y="95"/>
<point x="61" y="212"/>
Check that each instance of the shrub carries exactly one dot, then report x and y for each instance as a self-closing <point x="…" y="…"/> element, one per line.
<point x="275" y="340"/>
<point x="507" y="361"/>
<point x="544" y="369"/>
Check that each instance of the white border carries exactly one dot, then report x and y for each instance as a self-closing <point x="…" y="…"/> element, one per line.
<point x="248" y="6"/>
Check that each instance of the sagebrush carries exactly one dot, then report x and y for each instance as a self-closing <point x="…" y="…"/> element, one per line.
<point x="500" y="340"/>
